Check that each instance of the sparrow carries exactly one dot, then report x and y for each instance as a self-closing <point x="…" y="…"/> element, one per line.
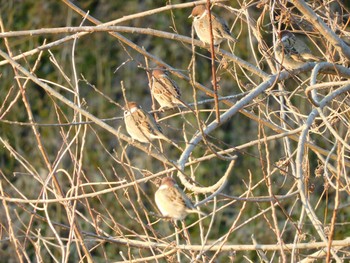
<point x="140" y="125"/>
<point x="172" y="201"/>
<point x="164" y="89"/>
<point x="202" y="27"/>
<point x="292" y="52"/>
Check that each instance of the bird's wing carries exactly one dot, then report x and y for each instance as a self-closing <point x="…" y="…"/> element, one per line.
<point x="224" y="25"/>
<point x="309" y="56"/>
<point x="294" y="54"/>
<point x="185" y="200"/>
<point x="146" y="123"/>
<point x="169" y="87"/>
<point x="174" y="196"/>
<point x="223" y="31"/>
<point x="305" y="51"/>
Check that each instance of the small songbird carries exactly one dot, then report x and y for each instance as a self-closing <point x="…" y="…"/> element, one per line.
<point x="202" y="27"/>
<point x="172" y="201"/>
<point x="140" y="125"/>
<point x="292" y="52"/>
<point x="164" y="89"/>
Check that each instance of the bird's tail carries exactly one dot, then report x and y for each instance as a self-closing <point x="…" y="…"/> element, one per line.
<point x="163" y="137"/>
<point x="194" y="210"/>
<point x="231" y="38"/>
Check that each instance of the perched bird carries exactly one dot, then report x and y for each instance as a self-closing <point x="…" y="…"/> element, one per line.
<point x="292" y="52"/>
<point x="202" y="26"/>
<point x="164" y="89"/>
<point x="172" y="201"/>
<point x="141" y="125"/>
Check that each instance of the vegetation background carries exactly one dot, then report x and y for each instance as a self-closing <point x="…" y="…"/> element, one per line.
<point x="74" y="189"/>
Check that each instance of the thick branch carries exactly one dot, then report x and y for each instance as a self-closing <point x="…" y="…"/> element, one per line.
<point x="321" y="26"/>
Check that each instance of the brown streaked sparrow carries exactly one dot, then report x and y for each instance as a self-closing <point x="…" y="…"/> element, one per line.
<point x="292" y="52"/>
<point x="140" y="125"/>
<point x="164" y="89"/>
<point x="202" y="27"/>
<point x="172" y="201"/>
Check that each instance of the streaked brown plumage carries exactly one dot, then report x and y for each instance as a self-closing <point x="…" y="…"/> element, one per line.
<point x="292" y="52"/>
<point x="202" y="27"/>
<point x="172" y="201"/>
<point x="164" y="89"/>
<point x="140" y="125"/>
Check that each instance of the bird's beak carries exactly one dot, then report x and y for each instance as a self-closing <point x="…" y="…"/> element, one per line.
<point x="190" y="16"/>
